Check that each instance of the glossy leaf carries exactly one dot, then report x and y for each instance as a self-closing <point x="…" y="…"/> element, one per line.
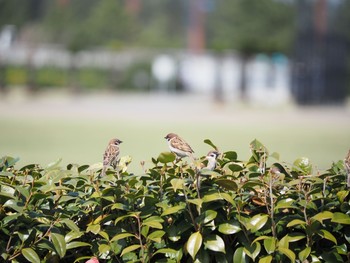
<point x="76" y="244"/>
<point x="215" y="243"/>
<point x="253" y="250"/>
<point x="122" y="236"/>
<point x="173" y="210"/>
<point x="177" y="184"/>
<point x="323" y="216"/>
<point x="287" y="252"/>
<point x="266" y="259"/>
<point x="194" y="243"/>
<point x="130" y="249"/>
<point x="240" y="255"/>
<point x="227" y="184"/>
<point x="166" y="157"/>
<point x="59" y="244"/>
<point x="209" y="142"/>
<point x="257" y="222"/>
<point x="296" y="222"/>
<point x="327" y="235"/>
<point x="304" y="254"/>
<point x="270" y="245"/>
<point x="341" y="218"/>
<point x="230" y="228"/>
<point x="30" y="255"/>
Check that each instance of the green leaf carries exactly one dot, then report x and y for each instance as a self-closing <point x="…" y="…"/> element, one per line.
<point x="340" y="218"/>
<point x="93" y="229"/>
<point x="285" y="203"/>
<point x="296" y="222"/>
<point x="215" y="243"/>
<point x="30" y="255"/>
<point x="253" y="250"/>
<point x="209" y="142"/>
<point x="70" y="224"/>
<point x="104" y="248"/>
<point x="235" y="167"/>
<point x="240" y="255"/>
<point x="153" y="224"/>
<point x="177" y="184"/>
<point x="257" y="222"/>
<point x="231" y="155"/>
<point x="173" y="210"/>
<point x="327" y="235"/>
<point x="156" y="236"/>
<point x="59" y="244"/>
<point x="227" y="184"/>
<point x="104" y="235"/>
<point x="294" y="237"/>
<point x="232" y="227"/>
<point x="72" y="235"/>
<point x="342" y="195"/>
<point x="23" y="191"/>
<point x="270" y="245"/>
<point x="323" y="216"/>
<point x="194" y="243"/>
<point x="166" y="157"/>
<point x="122" y="236"/>
<point x="303" y="255"/>
<point x="129" y="249"/>
<point x="212" y="197"/>
<point x="289" y="253"/>
<point x="266" y="259"/>
<point x="76" y="244"/>
<point x="209" y="215"/>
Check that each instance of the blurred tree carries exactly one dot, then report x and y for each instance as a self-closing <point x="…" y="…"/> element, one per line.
<point x="250" y="27"/>
<point x="163" y="23"/>
<point x="17" y="12"/>
<point x="86" y="23"/>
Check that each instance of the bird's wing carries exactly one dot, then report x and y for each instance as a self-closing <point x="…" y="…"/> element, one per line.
<point x="110" y="155"/>
<point x="180" y="144"/>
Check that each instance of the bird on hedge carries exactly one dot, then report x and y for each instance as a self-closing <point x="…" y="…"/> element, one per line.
<point x="178" y="146"/>
<point x="111" y="155"/>
<point x="212" y="159"/>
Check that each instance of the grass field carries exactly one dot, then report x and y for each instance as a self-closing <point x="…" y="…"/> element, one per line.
<point x="77" y="129"/>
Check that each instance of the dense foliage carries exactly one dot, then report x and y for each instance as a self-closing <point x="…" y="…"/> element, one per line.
<point x="260" y="210"/>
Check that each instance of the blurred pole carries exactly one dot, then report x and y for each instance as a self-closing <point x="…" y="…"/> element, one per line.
<point x="320" y="66"/>
<point x="195" y="33"/>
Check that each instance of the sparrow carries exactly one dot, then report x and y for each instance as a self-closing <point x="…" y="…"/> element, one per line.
<point x="178" y="146"/>
<point x="212" y="158"/>
<point x="110" y="157"/>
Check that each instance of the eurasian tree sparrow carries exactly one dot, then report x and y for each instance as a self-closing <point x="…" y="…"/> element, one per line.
<point x="212" y="159"/>
<point x="110" y="157"/>
<point x="178" y="146"/>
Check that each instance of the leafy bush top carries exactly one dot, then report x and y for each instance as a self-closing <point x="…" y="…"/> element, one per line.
<point x="244" y="211"/>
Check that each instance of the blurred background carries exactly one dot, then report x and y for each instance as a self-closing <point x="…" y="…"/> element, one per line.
<point x="75" y="73"/>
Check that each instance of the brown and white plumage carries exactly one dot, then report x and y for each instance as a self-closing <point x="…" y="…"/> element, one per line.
<point x="111" y="155"/>
<point x="178" y="146"/>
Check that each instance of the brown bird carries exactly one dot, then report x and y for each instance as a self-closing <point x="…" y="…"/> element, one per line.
<point x="110" y="157"/>
<point x="178" y="146"/>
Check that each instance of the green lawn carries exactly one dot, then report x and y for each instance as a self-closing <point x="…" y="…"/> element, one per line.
<point x="323" y="135"/>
